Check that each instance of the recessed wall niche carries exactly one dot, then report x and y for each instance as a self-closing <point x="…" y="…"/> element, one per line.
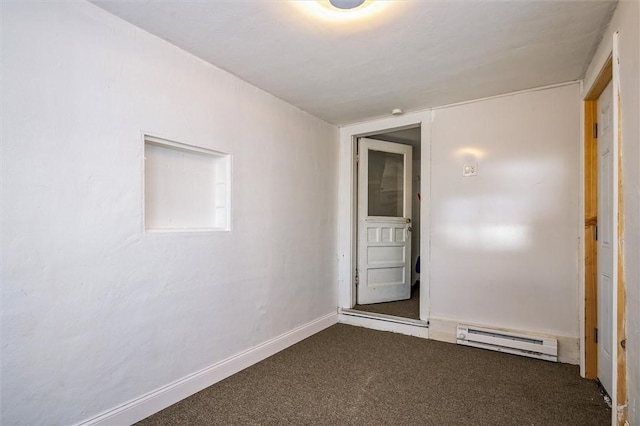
<point x="186" y="188"/>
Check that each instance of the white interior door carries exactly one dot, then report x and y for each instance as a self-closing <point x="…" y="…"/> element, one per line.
<point x="606" y="164"/>
<point x="384" y="221"/>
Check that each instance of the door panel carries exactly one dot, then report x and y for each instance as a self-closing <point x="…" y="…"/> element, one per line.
<point x="384" y="221"/>
<point x="385" y="254"/>
<point x="605" y="236"/>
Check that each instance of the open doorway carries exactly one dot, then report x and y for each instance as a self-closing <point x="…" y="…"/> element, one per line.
<point x="388" y="229"/>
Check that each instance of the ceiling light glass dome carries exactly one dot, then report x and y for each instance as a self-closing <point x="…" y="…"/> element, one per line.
<point x="346" y="4"/>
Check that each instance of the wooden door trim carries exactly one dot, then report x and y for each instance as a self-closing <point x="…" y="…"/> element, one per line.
<point x="590" y="243"/>
<point x="604" y="77"/>
<point x="590" y="105"/>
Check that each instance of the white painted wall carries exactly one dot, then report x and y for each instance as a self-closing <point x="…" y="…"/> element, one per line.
<point x="626" y="20"/>
<point x="504" y="244"/>
<point x="95" y="312"/>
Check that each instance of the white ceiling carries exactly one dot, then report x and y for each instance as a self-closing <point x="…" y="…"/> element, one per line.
<point x="412" y="55"/>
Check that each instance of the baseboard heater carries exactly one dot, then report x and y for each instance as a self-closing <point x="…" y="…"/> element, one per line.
<point x="508" y="342"/>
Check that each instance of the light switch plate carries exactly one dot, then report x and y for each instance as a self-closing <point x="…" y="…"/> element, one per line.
<point x="470" y="169"/>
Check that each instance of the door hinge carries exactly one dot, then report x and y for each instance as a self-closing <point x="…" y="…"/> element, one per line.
<point x="595" y="232"/>
<point x="357" y="158"/>
<point x="595" y="335"/>
<point x="595" y="130"/>
<point x="623" y="343"/>
<point x="357" y="279"/>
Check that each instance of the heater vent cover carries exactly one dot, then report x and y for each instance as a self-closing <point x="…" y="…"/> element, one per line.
<point x="505" y="341"/>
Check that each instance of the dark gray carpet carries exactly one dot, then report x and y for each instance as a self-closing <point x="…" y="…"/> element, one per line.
<point x="348" y="375"/>
<point x="404" y="308"/>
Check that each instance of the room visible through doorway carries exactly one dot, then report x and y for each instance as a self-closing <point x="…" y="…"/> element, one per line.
<point x="388" y="247"/>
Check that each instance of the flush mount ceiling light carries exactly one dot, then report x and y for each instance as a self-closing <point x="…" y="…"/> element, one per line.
<point x="337" y="11"/>
<point x="346" y="4"/>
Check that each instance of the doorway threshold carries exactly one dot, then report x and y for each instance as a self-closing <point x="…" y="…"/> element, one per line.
<point x="383" y="322"/>
<point x="383" y="317"/>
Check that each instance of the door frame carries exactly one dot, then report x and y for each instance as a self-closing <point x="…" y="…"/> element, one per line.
<point x="590" y="106"/>
<point x="347" y="201"/>
<point x="609" y="72"/>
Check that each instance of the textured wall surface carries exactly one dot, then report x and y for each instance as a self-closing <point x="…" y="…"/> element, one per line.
<point x="94" y="311"/>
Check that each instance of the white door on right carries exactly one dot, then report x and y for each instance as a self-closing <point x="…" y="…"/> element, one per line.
<point x="606" y="164"/>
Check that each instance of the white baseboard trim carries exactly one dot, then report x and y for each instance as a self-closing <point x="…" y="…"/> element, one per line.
<point x="385" y="325"/>
<point x="568" y="350"/>
<point x="159" y="399"/>
<point x="445" y="330"/>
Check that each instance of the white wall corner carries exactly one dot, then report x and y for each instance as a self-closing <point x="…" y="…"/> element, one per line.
<point x="161" y="398"/>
